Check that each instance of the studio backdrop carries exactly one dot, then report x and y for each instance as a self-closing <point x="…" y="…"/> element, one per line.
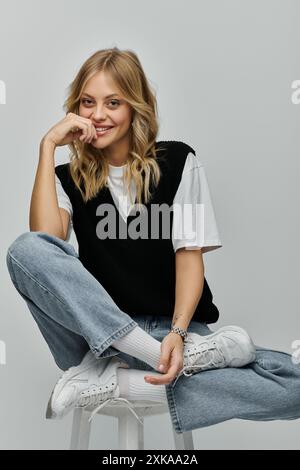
<point x="227" y="81"/>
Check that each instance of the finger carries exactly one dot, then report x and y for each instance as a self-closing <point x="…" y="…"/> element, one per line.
<point x="90" y="128"/>
<point x="163" y="379"/>
<point x="84" y="135"/>
<point x="77" y="123"/>
<point x="90" y="133"/>
<point x="83" y="124"/>
<point x="164" y="358"/>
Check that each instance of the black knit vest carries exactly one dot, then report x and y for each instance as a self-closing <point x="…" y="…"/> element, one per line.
<point x="139" y="274"/>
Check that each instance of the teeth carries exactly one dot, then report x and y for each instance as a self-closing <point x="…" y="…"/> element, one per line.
<point x="102" y="128"/>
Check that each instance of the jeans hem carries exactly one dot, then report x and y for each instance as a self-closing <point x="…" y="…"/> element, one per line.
<point x="98" y="350"/>
<point x="172" y="408"/>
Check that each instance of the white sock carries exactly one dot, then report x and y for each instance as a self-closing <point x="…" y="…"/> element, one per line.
<point x="138" y="343"/>
<point x="133" y="386"/>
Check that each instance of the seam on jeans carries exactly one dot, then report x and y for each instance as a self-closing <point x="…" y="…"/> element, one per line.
<point x="173" y="409"/>
<point x="67" y="307"/>
<point x="113" y="337"/>
<point x="34" y="279"/>
<point x="95" y="349"/>
<point x="47" y="291"/>
<point x="10" y="266"/>
<point x="26" y="298"/>
<point x="42" y="286"/>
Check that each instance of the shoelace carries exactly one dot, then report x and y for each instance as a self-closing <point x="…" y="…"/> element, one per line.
<point x="114" y="400"/>
<point x="95" y="397"/>
<point x="210" y="350"/>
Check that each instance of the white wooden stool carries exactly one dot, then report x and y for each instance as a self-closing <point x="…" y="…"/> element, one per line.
<point x="130" y="430"/>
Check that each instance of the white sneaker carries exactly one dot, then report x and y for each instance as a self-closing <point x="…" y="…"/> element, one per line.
<point x="77" y="379"/>
<point x="106" y="392"/>
<point x="229" y="346"/>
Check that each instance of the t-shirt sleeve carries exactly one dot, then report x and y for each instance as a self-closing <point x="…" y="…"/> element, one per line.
<point x="63" y="199"/>
<point x="194" y="221"/>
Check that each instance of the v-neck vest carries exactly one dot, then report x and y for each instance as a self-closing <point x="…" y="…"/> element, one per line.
<point x="139" y="274"/>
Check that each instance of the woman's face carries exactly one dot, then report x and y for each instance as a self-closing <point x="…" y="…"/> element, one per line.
<point x="104" y="110"/>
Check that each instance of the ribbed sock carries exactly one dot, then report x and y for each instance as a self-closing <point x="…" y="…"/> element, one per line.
<point x="133" y="386"/>
<point x="139" y="344"/>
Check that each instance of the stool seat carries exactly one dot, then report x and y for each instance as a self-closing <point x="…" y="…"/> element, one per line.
<point x="130" y="429"/>
<point x="142" y="407"/>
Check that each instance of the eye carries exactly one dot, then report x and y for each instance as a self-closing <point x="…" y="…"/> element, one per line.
<point x="116" y="102"/>
<point x="86" y="101"/>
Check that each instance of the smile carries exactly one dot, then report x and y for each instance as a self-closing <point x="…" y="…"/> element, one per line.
<point x="102" y="131"/>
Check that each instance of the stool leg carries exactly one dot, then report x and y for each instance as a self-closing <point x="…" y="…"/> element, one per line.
<point x="183" y="441"/>
<point x="131" y="432"/>
<point x="81" y="429"/>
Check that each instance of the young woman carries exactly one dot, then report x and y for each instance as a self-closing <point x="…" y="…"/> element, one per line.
<point x="134" y="298"/>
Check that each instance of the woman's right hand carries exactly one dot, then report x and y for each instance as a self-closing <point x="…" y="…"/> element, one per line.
<point x="171" y="358"/>
<point x="70" y="128"/>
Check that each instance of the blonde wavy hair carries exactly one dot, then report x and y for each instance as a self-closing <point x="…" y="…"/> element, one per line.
<point x="88" y="167"/>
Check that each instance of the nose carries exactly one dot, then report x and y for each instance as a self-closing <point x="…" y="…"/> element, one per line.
<point x="99" y="113"/>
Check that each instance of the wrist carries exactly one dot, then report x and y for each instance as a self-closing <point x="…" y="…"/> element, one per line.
<point x="47" y="143"/>
<point x="181" y="319"/>
<point x="179" y="331"/>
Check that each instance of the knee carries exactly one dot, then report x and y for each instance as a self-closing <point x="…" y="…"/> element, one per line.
<point x="285" y="399"/>
<point x="23" y="246"/>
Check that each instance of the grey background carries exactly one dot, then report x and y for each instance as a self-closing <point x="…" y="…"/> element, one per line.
<point x="222" y="71"/>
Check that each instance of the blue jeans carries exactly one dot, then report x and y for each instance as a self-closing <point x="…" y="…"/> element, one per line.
<point x="75" y="313"/>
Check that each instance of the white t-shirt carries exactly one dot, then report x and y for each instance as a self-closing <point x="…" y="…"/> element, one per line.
<point x="197" y="217"/>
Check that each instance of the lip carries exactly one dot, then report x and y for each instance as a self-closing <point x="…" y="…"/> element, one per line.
<point x="101" y="134"/>
<point x="101" y="125"/>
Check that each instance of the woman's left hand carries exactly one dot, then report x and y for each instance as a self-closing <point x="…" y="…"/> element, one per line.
<point x="171" y="358"/>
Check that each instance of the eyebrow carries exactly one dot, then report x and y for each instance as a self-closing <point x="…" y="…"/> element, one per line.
<point x="108" y="96"/>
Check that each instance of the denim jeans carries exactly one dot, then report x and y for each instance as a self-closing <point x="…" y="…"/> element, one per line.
<point x="75" y="313"/>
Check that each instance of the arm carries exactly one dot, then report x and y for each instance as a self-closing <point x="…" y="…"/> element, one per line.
<point x="45" y="214"/>
<point x="189" y="285"/>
